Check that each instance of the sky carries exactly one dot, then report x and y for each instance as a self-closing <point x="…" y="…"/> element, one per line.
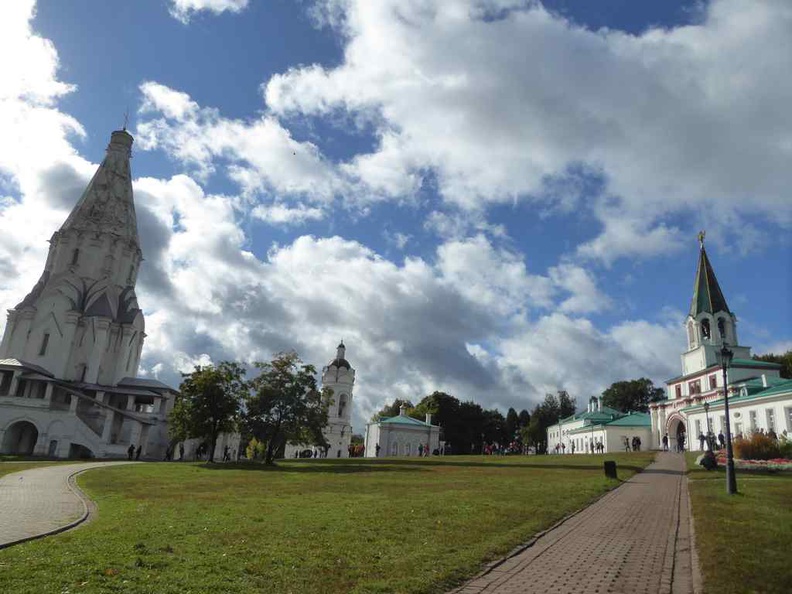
<point x="498" y="199"/>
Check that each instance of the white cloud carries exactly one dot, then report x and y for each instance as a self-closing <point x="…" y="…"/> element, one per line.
<point x="497" y="108"/>
<point x="260" y="155"/>
<point x="183" y="10"/>
<point x="282" y="214"/>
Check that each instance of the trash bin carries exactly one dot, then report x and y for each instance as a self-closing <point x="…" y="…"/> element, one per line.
<point x="610" y="469"/>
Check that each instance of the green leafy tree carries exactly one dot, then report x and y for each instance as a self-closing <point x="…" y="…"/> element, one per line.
<point x="392" y="410"/>
<point x="784" y="360"/>
<point x="632" y="395"/>
<point x="285" y="405"/>
<point x="494" y="427"/>
<point x="512" y="423"/>
<point x="525" y="418"/>
<point x="209" y="403"/>
<point x="545" y="414"/>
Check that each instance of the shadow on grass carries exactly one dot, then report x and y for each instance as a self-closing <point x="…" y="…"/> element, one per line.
<point x="346" y="465"/>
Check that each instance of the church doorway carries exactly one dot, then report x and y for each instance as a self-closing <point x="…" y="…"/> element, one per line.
<point x="20" y="438"/>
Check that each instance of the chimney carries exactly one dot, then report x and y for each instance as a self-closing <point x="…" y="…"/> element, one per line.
<point x="764" y="380"/>
<point x="402" y="411"/>
<point x="599" y="403"/>
<point x="428" y="418"/>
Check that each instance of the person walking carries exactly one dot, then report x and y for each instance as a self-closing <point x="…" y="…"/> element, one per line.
<point x="377" y="449"/>
<point x="702" y="439"/>
<point x="626" y="441"/>
<point x="181" y="452"/>
<point x="665" y="442"/>
<point x="137" y="452"/>
<point x="131" y="451"/>
<point x="226" y="455"/>
<point x="721" y="440"/>
<point x="681" y="442"/>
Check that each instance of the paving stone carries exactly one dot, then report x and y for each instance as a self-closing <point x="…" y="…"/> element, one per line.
<point x="636" y="539"/>
<point x="39" y="500"/>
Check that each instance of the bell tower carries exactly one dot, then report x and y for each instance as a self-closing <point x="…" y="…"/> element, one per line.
<point x="710" y="323"/>
<point x="339" y="376"/>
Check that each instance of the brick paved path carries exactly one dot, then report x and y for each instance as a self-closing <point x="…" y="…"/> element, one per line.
<point x="635" y="539"/>
<point x="39" y="500"/>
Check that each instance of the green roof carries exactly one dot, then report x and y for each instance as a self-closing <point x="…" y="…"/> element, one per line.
<point x="403" y="420"/>
<point x="707" y="294"/>
<point x="754" y="363"/>
<point x="633" y="419"/>
<point x="607" y="413"/>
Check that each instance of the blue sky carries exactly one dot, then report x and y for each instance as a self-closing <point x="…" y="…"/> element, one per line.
<point x="496" y="198"/>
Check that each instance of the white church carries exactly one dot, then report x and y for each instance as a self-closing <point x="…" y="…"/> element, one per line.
<point x="759" y="399"/>
<point x="71" y="348"/>
<point x="339" y="376"/>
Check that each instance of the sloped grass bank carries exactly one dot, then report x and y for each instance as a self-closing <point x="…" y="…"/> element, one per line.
<point x="386" y="525"/>
<point x="743" y="540"/>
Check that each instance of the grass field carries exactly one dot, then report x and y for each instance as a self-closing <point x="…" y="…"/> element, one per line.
<point x="7" y="467"/>
<point x="387" y="525"/>
<point x="744" y="541"/>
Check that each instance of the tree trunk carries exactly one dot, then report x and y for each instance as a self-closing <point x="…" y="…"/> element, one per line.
<point x="212" y="446"/>
<point x="268" y="458"/>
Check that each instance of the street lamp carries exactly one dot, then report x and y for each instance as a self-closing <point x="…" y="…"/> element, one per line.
<point x="731" y="480"/>
<point x="709" y="428"/>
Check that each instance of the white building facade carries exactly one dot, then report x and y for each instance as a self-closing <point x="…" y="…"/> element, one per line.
<point x="582" y="432"/>
<point x="339" y="376"/>
<point x="71" y="348"/>
<point x="759" y="399"/>
<point x="401" y="436"/>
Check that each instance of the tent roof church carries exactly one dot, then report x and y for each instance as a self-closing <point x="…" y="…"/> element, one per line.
<point x="71" y="348"/>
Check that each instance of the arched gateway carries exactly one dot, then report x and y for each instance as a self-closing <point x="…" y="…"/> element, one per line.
<point x="20" y="438"/>
<point x="677" y="432"/>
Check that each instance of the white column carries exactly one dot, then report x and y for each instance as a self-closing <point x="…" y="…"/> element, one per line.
<point x="48" y="392"/>
<point x="108" y="426"/>
<point x="14" y="383"/>
<point x="101" y="329"/>
<point x="9" y="330"/>
<point x="73" y="404"/>
<point x="71" y="319"/>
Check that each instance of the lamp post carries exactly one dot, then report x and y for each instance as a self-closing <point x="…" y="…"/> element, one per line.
<point x="731" y="480"/>
<point x="709" y="428"/>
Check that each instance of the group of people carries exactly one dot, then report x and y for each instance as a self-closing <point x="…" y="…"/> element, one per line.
<point x="634" y="443"/>
<point x="592" y="447"/>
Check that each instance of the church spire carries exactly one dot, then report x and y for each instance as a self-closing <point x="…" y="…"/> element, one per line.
<point x="707" y="294"/>
<point x="107" y="206"/>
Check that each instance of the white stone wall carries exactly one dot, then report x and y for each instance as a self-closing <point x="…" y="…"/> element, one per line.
<point x="400" y="440"/>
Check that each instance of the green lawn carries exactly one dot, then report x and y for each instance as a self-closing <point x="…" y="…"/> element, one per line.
<point x="744" y="541"/>
<point x="9" y="467"/>
<point x="388" y="525"/>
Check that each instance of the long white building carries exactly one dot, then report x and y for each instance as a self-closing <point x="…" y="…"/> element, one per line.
<point x="71" y="348"/>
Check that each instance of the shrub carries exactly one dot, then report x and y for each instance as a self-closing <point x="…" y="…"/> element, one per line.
<point x="255" y="449"/>
<point x="756" y="447"/>
<point x="785" y="448"/>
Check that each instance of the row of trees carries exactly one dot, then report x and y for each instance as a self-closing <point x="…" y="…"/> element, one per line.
<point x="281" y="404"/>
<point x="466" y="425"/>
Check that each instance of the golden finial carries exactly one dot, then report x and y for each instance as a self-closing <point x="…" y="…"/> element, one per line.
<point x="701" y="236"/>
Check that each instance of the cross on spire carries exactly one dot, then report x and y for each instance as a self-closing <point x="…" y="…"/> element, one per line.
<point x="701" y="235"/>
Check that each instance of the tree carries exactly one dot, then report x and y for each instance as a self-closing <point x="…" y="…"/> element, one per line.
<point x="632" y="395"/>
<point x="566" y="405"/>
<point x="512" y="423"/>
<point x="285" y="405"/>
<point x="391" y="410"/>
<point x="545" y="414"/>
<point x="525" y="418"/>
<point x="494" y="427"/>
<point x="209" y="403"/>
<point x="784" y="360"/>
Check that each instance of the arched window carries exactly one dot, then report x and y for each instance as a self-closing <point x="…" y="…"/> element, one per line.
<point x="722" y="328"/>
<point x="705" y="328"/>
<point x="75" y="256"/>
<point x="342" y="402"/>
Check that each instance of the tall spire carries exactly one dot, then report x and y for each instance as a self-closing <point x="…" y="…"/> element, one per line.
<point x="707" y="294"/>
<point x="106" y="205"/>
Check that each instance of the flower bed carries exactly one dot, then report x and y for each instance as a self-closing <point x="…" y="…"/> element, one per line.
<point x="775" y="464"/>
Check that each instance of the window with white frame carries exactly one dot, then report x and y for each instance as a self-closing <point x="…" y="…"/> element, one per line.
<point x="698" y="428"/>
<point x="770" y="416"/>
<point x="752" y="421"/>
<point x="788" y="416"/>
<point x="723" y="423"/>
